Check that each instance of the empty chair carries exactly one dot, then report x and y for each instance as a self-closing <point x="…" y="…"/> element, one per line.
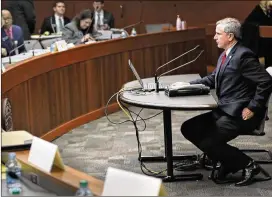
<point x="32" y="44"/>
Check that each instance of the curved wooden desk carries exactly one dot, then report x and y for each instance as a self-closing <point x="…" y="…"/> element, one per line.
<point x="54" y="93"/>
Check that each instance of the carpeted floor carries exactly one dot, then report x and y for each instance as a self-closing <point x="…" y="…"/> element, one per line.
<point x="95" y="146"/>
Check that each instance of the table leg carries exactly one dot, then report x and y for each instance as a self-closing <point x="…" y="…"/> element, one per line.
<point x="169" y="154"/>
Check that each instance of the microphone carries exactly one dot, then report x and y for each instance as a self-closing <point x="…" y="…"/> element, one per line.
<point x="123" y="31"/>
<point x="133" y="25"/>
<point x="38" y="41"/>
<point x="157" y="78"/>
<point x="16" y="48"/>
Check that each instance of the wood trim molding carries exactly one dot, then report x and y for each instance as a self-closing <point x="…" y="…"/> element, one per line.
<point x="68" y="126"/>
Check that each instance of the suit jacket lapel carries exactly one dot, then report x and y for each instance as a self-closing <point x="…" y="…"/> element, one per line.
<point x="223" y="67"/>
<point x="217" y="70"/>
<point x="54" y="25"/>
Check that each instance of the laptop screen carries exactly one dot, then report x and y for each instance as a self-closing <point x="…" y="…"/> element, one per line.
<point x="135" y="73"/>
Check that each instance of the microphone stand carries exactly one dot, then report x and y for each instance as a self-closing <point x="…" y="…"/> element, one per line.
<point x="16" y="48"/>
<point x="156" y="78"/>
<point x="135" y="24"/>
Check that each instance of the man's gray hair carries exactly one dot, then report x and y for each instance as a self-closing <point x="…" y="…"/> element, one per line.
<point x="231" y="25"/>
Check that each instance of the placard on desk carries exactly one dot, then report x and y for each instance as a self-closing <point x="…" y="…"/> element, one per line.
<point x="16" y="140"/>
<point x="45" y="155"/>
<point x="124" y="183"/>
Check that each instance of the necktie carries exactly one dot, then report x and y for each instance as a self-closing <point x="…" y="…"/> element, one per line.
<point x="9" y="33"/>
<point x="60" y="24"/>
<point x="223" y="58"/>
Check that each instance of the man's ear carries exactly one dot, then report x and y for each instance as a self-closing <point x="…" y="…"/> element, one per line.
<point x="54" y="9"/>
<point x="231" y="36"/>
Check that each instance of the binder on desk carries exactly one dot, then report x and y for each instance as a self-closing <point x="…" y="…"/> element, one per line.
<point x="16" y="140"/>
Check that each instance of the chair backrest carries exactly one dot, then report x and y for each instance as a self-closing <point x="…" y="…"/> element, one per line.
<point x="47" y="43"/>
<point x="154" y="28"/>
<point x="32" y="44"/>
<point x="260" y="130"/>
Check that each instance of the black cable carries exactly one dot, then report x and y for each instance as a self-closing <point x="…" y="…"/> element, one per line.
<point x="184" y="165"/>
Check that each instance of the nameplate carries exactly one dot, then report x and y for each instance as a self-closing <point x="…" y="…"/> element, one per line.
<point x="123" y="183"/>
<point x="61" y="45"/>
<point x="44" y="155"/>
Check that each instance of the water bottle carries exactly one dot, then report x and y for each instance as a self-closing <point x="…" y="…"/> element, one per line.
<point x="52" y="47"/>
<point x="183" y="25"/>
<point x="15" y="46"/>
<point x="123" y="34"/>
<point x="178" y="23"/>
<point x="13" y="174"/>
<point x="133" y="32"/>
<point x="83" y="189"/>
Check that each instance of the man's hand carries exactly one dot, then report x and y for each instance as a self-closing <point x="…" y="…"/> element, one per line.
<point x="247" y="114"/>
<point x="87" y="38"/>
<point x="105" y="27"/>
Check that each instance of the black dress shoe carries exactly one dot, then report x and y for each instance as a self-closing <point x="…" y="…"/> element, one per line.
<point x="266" y="118"/>
<point x="250" y="172"/>
<point x="220" y="176"/>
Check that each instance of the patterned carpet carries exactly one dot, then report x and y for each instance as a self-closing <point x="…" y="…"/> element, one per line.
<point x="95" y="146"/>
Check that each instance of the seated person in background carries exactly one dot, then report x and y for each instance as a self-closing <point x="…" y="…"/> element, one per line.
<point x="77" y="31"/>
<point x="3" y="50"/>
<point x="11" y="35"/>
<point x="55" y="23"/>
<point x="261" y="15"/>
<point x="243" y="88"/>
<point x="103" y="20"/>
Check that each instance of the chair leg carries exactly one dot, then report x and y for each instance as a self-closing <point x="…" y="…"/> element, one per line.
<point x="267" y="161"/>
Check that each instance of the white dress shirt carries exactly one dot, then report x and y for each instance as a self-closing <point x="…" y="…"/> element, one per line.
<point x="101" y="14"/>
<point x="57" y="22"/>
<point x="229" y="49"/>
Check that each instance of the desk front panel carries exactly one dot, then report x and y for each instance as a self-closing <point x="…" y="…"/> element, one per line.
<point x="54" y="93"/>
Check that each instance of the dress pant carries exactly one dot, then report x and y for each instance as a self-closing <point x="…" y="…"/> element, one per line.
<point x="211" y="131"/>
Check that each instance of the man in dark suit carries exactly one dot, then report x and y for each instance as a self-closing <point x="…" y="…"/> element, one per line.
<point x="23" y="15"/>
<point x="103" y="20"/>
<point x="11" y="35"/>
<point x="243" y="88"/>
<point x="55" y="23"/>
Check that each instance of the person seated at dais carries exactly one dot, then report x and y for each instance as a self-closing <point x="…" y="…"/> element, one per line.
<point x="261" y="15"/>
<point x="78" y="30"/>
<point x="55" y="23"/>
<point x="103" y="20"/>
<point x="11" y="35"/>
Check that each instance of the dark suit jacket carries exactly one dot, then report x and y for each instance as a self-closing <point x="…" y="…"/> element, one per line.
<point x="8" y="44"/>
<point x="240" y="82"/>
<point x="108" y="19"/>
<point x="23" y="15"/>
<point x="49" y="24"/>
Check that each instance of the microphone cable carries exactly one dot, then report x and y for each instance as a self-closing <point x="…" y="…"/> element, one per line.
<point x="185" y="165"/>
